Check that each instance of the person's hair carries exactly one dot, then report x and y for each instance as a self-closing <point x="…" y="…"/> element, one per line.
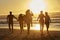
<point x="10" y="12"/>
<point x="41" y="12"/>
<point x="46" y="13"/>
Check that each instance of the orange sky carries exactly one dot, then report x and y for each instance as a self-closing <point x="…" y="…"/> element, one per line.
<point x="20" y="6"/>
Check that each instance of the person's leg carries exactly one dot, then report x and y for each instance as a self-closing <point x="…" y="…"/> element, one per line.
<point x="47" y="26"/>
<point x="28" y="27"/>
<point x="42" y="28"/>
<point x="21" y="27"/>
<point x="31" y="22"/>
<point x="9" y="27"/>
<point x="12" y="27"/>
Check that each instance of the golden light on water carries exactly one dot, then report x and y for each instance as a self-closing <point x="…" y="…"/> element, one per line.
<point x="37" y="5"/>
<point x="36" y="27"/>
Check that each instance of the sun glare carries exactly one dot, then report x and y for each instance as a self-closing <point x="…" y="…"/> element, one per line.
<point x="36" y="27"/>
<point x="37" y="5"/>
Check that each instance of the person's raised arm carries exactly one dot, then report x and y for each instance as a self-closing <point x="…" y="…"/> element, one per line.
<point x="14" y="17"/>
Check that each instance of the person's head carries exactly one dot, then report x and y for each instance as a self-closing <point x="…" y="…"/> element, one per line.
<point x="20" y="14"/>
<point x="28" y="11"/>
<point x="10" y="12"/>
<point x="46" y="13"/>
<point x="41" y="12"/>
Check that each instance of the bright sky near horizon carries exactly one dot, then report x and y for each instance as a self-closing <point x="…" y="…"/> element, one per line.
<point x="20" y="6"/>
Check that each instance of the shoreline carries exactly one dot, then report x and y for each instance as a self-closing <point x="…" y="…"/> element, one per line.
<point x="5" y="34"/>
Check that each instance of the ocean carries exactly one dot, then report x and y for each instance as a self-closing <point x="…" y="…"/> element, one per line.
<point x="54" y="25"/>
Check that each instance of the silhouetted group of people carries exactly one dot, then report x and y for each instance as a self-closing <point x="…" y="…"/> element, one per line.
<point x="27" y="18"/>
<point x="44" y="19"/>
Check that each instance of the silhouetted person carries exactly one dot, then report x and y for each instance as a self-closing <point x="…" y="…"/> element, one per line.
<point x="47" y="20"/>
<point x="28" y="19"/>
<point x="20" y="19"/>
<point x="10" y="20"/>
<point x="41" y="20"/>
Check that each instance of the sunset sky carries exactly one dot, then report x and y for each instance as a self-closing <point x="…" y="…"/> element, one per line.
<point x="20" y="6"/>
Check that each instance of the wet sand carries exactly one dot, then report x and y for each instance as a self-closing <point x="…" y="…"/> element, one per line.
<point x="5" y="34"/>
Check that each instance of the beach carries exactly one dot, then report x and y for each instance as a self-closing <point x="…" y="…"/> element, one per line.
<point x="5" y="34"/>
<point x="35" y="33"/>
